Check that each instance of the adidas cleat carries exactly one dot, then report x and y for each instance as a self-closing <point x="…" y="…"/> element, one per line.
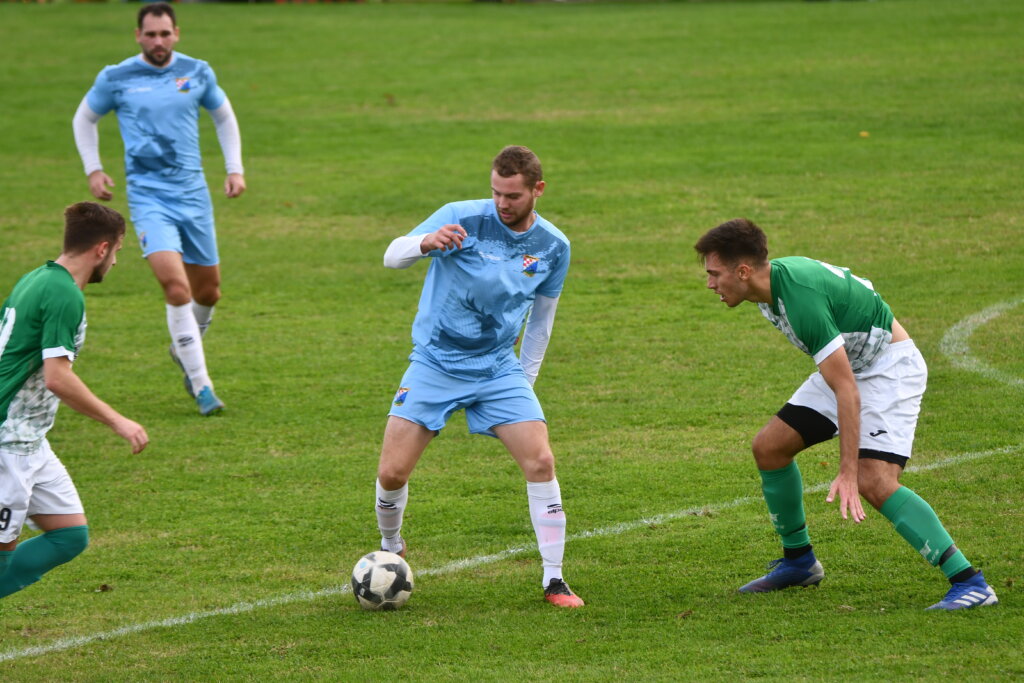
<point x="783" y="573"/>
<point x="208" y="402"/>
<point x="974" y="592"/>
<point x="559" y="594"/>
<point x="188" y="382"/>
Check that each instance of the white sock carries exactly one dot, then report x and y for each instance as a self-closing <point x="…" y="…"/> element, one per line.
<point x="390" y="508"/>
<point x="188" y="344"/>
<point x="549" y="524"/>
<point x="203" y="314"/>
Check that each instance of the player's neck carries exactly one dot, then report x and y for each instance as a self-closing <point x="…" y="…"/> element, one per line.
<point x="77" y="266"/>
<point x="760" y="290"/>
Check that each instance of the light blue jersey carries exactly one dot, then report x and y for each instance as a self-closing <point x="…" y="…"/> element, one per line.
<point x="158" y="114"/>
<point x="475" y="299"/>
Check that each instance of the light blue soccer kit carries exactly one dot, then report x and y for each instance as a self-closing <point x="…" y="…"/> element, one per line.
<point x="158" y="114"/>
<point x="474" y="303"/>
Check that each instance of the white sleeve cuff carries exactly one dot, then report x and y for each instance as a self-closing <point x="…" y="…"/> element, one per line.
<point x="229" y="135"/>
<point x="87" y="137"/>
<point x="58" y="352"/>
<point x="828" y="349"/>
<point x="537" y="335"/>
<point x="403" y="251"/>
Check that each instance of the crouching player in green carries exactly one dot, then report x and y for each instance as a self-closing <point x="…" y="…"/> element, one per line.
<point x="868" y="389"/>
<point x="42" y="327"/>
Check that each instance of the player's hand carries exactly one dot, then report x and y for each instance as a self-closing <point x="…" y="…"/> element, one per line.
<point x="98" y="184"/>
<point x="132" y="432"/>
<point x="234" y="185"/>
<point x="448" y="237"/>
<point x="849" y="496"/>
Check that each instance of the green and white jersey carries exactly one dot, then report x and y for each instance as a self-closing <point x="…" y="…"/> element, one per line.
<point x="44" y="317"/>
<point x="821" y="307"/>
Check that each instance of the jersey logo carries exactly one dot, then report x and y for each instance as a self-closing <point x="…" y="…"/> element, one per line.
<point x="183" y="84"/>
<point x="401" y="395"/>
<point x="530" y="265"/>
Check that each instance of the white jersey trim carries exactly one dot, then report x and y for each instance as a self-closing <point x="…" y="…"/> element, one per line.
<point x="829" y="349"/>
<point x="58" y="352"/>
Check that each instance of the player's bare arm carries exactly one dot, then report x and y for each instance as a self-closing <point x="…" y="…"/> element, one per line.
<point x="446" y="237"/>
<point x="69" y="388"/>
<point x="838" y="375"/>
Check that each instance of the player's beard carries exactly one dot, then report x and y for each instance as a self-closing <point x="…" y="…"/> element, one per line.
<point x="158" y="61"/>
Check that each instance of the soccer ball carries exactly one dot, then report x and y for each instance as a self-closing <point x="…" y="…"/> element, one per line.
<point x="381" y="580"/>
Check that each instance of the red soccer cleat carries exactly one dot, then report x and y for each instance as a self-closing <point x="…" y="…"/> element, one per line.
<point x="559" y="594"/>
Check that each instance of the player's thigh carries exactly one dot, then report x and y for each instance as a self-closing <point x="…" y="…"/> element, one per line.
<point x="404" y="443"/>
<point x="529" y="445"/>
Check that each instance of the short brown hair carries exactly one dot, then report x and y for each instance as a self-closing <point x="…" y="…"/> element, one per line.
<point x="735" y="241"/>
<point x="518" y="159"/>
<point x="157" y="9"/>
<point x="86" y="224"/>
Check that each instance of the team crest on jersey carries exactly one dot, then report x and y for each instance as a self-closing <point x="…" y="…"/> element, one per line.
<point x="184" y="84"/>
<point x="530" y="264"/>
<point x="142" y="239"/>
<point x="401" y="395"/>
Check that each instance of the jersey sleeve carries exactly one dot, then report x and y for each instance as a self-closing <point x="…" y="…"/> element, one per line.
<point x="446" y="215"/>
<point x="814" y="325"/>
<point x="61" y="317"/>
<point x="100" y="97"/>
<point x="552" y="287"/>
<point x="213" y="95"/>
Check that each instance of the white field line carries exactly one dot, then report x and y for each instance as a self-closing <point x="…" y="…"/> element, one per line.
<point x="451" y="567"/>
<point x="954" y="343"/>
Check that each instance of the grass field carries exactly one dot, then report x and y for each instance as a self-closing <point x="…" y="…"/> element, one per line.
<point x="884" y="136"/>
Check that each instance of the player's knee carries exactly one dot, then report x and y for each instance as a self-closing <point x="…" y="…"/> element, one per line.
<point x="177" y="292"/>
<point x="541" y="467"/>
<point x="876" y="487"/>
<point x="392" y="478"/>
<point x="207" y="295"/>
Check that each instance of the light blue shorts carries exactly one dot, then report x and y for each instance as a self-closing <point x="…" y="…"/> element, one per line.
<point x="429" y="397"/>
<point x="165" y="220"/>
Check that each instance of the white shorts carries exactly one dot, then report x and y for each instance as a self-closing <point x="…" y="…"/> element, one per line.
<point x="890" y="399"/>
<point x="36" y="484"/>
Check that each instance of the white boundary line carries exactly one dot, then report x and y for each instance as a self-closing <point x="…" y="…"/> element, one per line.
<point x="458" y="565"/>
<point x="954" y="343"/>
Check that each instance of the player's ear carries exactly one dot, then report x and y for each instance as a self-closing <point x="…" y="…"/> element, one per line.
<point x="538" y="189"/>
<point x="101" y="250"/>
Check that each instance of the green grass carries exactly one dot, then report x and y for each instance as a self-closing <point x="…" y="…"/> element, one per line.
<point x="655" y="123"/>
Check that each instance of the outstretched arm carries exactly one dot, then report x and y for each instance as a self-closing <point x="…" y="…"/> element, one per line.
<point x="537" y="335"/>
<point x="408" y="249"/>
<point x="230" y="138"/>
<point x="87" y="139"/>
<point x="838" y="375"/>
<point x="69" y="388"/>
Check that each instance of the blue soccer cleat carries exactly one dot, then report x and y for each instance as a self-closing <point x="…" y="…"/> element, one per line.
<point x="783" y="573"/>
<point x="208" y="402"/>
<point x="188" y="382"/>
<point x="974" y="592"/>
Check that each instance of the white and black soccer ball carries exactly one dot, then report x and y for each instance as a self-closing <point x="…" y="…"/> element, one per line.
<point x="381" y="580"/>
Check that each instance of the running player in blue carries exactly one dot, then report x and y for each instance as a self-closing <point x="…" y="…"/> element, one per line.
<point x="157" y="96"/>
<point x="493" y="262"/>
<point x="867" y="390"/>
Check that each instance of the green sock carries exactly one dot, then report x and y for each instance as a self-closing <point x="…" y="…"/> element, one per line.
<point x="5" y="555"/>
<point x="915" y="521"/>
<point x="39" y="554"/>
<point x="784" y="493"/>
